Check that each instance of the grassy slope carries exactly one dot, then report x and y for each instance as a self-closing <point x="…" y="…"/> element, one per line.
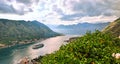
<point x="92" y="48"/>
<point x="113" y="28"/>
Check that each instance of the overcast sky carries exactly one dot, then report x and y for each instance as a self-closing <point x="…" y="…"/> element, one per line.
<point x="61" y="11"/>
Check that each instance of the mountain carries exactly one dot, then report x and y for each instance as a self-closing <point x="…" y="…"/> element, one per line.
<point x="15" y="31"/>
<point x="78" y="29"/>
<point x="113" y="27"/>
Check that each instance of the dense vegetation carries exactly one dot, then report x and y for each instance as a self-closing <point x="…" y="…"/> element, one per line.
<point x="13" y="31"/>
<point x="113" y="28"/>
<point x="92" y="48"/>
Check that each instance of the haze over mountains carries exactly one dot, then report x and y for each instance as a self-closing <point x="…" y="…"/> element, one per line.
<point x="78" y="29"/>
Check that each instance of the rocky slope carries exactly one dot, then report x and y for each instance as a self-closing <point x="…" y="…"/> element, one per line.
<point x="114" y="28"/>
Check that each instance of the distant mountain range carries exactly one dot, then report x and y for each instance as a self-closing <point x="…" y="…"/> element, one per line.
<point x="78" y="29"/>
<point x="113" y="27"/>
<point x="15" y="31"/>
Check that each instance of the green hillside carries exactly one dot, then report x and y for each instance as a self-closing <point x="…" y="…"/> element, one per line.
<point x="113" y="27"/>
<point x="14" y="31"/>
<point x="92" y="48"/>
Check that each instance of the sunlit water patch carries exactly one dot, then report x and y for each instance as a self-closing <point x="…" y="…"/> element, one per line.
<point x="13" y="54"/>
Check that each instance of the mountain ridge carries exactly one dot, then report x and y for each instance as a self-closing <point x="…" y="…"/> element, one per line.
<point x="15" y="31"/>
<point x="113" y="28"/>
<point x="78" y="29"/>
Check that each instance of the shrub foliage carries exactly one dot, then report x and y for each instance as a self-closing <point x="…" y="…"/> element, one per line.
<point x="92" y="48"/>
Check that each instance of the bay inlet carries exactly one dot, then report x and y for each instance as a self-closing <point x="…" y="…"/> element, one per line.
<point x="13" y="54"/>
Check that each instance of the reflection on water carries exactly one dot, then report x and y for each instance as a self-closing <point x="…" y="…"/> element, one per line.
<point x="50" y="45"/>
<point x="12" y="55"/>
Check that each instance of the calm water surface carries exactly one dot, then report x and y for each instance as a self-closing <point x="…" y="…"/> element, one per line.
<point x="13" y="54"/>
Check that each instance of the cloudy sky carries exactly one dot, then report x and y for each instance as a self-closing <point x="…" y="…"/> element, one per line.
<point x="61" y="11"/>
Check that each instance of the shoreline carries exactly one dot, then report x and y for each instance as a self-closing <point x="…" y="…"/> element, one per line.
<point x="37" y="59"/>
<point x="71" y="39"/>
<point x="24" y="42"/>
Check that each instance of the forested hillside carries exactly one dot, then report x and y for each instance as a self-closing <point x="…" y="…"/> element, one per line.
<point x="14" y="31"/>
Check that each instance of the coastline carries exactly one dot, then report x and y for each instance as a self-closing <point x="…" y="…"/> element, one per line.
<point x="25" y="42"/>
<point x="38" y="57"/>
<point x="71" y="39"/>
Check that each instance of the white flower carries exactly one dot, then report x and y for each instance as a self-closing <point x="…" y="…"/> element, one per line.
<point x="119" y="36"/>
<point x="117" y="55"/>
<point x="113" y="55"/>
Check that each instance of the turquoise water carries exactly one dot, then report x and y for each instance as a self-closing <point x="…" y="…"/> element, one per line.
<point x="13" y="54"/>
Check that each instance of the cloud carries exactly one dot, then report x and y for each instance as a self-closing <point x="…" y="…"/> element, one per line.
<point x="88" y="19"/>
<point x="61" y="11"/>
<point x="82" y="8"/>
<point x="71" y="17"/>
<point x="88" y="7"/>
<point x="20" y="7"/>
<point x="57" y="9"/>
<point x="5" y="8"/>
<point x="28" y="2"/>
<point x="96" y="19"/>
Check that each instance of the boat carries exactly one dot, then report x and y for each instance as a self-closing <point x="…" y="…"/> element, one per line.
<point x="38" y="46"/>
